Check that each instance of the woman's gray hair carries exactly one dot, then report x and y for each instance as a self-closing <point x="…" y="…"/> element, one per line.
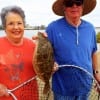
<point x="15" y="9"/>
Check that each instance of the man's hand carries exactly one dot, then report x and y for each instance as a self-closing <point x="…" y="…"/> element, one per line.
<point x="55" y="68"/>
<point x="35" y="37"/>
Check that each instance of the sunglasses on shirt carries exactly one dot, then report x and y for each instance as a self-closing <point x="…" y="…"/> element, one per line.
<point x="70" y="3"/>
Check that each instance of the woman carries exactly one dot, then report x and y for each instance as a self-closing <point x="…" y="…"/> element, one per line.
<point x="16" y="58"/>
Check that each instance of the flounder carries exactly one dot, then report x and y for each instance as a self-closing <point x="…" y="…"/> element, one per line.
<point x="43" y="60"/>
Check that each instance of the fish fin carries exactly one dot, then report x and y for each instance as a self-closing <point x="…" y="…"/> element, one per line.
<point x="46" y="88"/>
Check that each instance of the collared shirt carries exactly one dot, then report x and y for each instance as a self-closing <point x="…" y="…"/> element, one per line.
<point x="74" y="46"/>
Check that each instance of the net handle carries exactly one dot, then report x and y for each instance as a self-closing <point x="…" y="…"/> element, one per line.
<point x="24" y="83"/>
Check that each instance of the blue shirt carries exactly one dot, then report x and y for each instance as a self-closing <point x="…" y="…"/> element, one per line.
<point x="74" y="46"/>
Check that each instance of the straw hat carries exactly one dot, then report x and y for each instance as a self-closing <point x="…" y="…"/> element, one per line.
<point x="89" y="5"/>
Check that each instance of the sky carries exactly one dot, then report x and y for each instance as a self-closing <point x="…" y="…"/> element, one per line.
<point x="39" y="12"/>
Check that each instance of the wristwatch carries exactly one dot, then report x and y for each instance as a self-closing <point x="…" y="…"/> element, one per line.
<point x="96" y="71"/>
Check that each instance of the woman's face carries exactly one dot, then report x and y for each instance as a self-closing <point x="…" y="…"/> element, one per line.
<point x="14" y="27"/>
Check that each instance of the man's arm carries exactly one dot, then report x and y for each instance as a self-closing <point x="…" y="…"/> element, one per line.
<point x="96" y="65"/>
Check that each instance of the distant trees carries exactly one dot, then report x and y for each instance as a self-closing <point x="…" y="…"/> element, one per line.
<point x="98" y="37"/>
<point x="1" y="27"/>
<point x="41" y="27"/>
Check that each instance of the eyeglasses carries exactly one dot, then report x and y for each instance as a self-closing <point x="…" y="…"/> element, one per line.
<point x="70" y="3"/>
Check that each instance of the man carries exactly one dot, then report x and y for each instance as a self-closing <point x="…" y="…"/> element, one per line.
<point x="74" y="43"/>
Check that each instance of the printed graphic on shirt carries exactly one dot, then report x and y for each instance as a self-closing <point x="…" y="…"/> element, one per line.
<point x="12" y="64"/>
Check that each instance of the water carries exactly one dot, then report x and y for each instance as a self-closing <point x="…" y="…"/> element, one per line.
<point x="27" y="33"/>
<point x="30" y="33"/>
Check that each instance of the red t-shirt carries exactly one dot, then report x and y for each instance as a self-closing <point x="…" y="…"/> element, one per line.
<point x="16" y="68"/>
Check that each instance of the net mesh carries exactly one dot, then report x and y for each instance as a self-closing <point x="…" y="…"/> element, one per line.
<point x="94" y="95"/>
<point x="48" y="96"/>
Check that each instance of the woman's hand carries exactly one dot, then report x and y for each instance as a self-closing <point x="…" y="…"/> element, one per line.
<point x="3" y="90"/>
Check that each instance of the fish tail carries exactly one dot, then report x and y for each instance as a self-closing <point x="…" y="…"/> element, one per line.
<point x="46" y="88"/>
